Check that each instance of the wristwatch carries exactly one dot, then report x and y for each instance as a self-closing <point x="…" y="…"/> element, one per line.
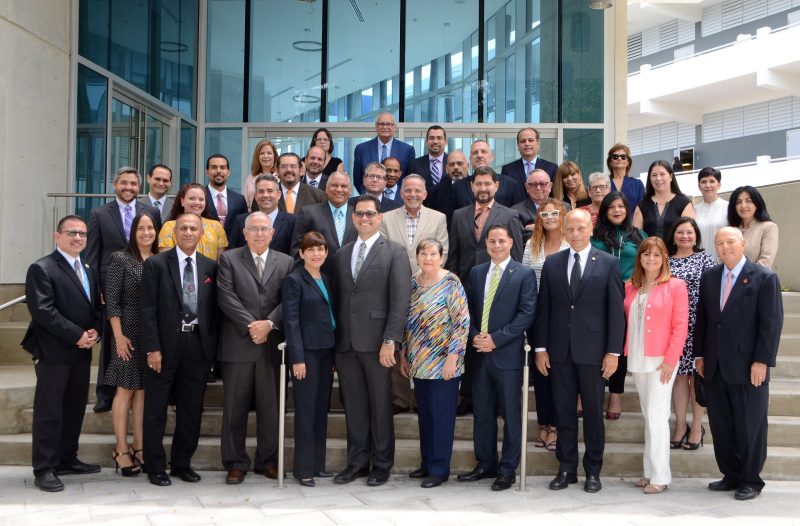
<point x="388" y="342"/>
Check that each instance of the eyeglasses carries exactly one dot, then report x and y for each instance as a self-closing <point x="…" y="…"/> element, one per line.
<point x="365" y="213"/>
<point x="551" y="213"/>
<point x="537" y="185"/>
<point x="384" y="124"/>
<point x="259" y="229"/>
<point x="598" y="188"/>
<point x="374" y="176"/>
<point x="75" y="233"/>
<point x="619" y="156"/>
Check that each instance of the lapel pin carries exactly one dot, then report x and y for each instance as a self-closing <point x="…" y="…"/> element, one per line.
<point x="745" y="281"/>
<point x="207" y="281"/>
<point x="594" y="258"/>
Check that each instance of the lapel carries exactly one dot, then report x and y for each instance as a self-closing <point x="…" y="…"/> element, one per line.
<point x="280" y="223"/>
<point x="311" y="283"/>
<point x="175" y="273"/>
<point x="738" y="285"/>
<point x="371" y="255"/>
<point x="269" y="266"/>
<point x="562" y="266"/>
<point x="201" y="278"/>
<point x="588" y="269"/>
<point x="489" y="222"/>
<point x="212" y="208"/>
<point x="113" y="209"/>
<point x="250" y="265"/>
<point x="504" y="279"/>
<point x="73" y="277"/>
<point x="423" y="221"/>
<point x="716" y="286"/>
<point x="328" y="215"/>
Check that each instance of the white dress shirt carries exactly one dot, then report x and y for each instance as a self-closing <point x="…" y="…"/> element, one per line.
<point x="369" y="242"/>
<point x="181" y="267"/>
<point x="502" y="265"/>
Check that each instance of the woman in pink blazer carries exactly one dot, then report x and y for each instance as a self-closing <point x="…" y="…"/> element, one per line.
<point x="657" y="309"/>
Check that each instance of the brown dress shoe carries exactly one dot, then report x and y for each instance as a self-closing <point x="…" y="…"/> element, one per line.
<point x="235" y="476"/>
<point x="271" y="471"/>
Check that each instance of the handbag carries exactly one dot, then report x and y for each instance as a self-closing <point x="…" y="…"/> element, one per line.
<point x="699" y="390"/>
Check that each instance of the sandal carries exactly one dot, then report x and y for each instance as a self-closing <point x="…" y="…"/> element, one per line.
<point x="540" y="442"/>
<point x="641" y="483"/>
<point x="551" y="444"/>
<point x="653" y="489"/>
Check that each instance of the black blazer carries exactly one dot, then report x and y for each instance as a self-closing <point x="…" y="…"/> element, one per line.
<point x="527" y="216"/>
<point x="236" y="206"/>
<point x="387" y="205"/>
<point x="508" y="194"/>
<point x="422" y="166"/>
<point x="60" y="311"/>
<point x="747" y="330"/>
<point x="320" y="219"/>
<point x="306" y="315"/>
<point x="281" y="235"/>
<point x="516" y="169"/>
<point x="588" y="326"/>
<point x="161" y="308"/>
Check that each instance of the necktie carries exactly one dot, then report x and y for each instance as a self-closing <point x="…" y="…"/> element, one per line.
<point x="222" y="212"/>
<point x="726" y="291"/>
<point x="480" y="220"/>
<point x="489" y="299"/>
<point x="126" y="224"/>
<point x="575" y="276"/>
<point x="81" y="278"/>
<point x="528" y="167"/>
<point x="339" y="222"/>
<point x="362" y="252"/>
<point x="435" y="171"/>
<point x="189" y="292"/>
<point x="289" y="202"/>
<point x="388" y="193"/>
<point x="313" y="183"/>
<point x="157" y="204"/>
<point x="260" y="267"/>
<point x="384" y="152"/>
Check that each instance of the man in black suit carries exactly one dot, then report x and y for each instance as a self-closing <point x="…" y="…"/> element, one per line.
<point x="431" y="166"/>
<point x="509" y="191"/>
<point x="736" y="337"/>
<point x="315" y="163"/>
<point x="394" y="177"/>
<point x="374" y="185"/>
<point x="372" y="279"/>
<point x="497" y="331"/>
<point x="442" y="198"/>
<point x="109" y="231"/>
<point x="528" y="146"/>
<point x="179" y="318"/>
<point x="578" y="335"/>
<point x="294" y="194"/>
<point x="538" y="187"/>
<point x="224" y="204"/>
<point x="268" y="193"/>
<point x="64" y="303"/>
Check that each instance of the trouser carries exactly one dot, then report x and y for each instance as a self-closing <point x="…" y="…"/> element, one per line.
<point x="654" y="399"/>
<point x="436" y="402"/>
<point x="311" y="398"/>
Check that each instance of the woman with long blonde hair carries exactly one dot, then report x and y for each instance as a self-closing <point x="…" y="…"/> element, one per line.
<point x="569" y="187"/>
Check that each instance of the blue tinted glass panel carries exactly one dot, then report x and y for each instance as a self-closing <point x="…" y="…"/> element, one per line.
<point x="90" y="139"/>
<point x="582" y="64"/>
<point x="585" y="148"/>
<point x="225" y="61"/>
<point x="187" y="154"/>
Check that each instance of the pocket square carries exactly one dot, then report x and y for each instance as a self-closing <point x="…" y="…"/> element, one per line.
<point x="207" y="281"/>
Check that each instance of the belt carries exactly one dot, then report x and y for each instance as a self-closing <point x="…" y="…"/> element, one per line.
<point x="189" y="327"/>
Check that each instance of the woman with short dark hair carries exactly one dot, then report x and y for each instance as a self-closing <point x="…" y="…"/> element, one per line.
<point x="712" y="212"/>
<point x="322" y="137"/>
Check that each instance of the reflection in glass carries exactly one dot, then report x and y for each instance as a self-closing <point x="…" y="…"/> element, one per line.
<point x="125" y="139"/>
<point x="582" y="64"/>
<point x="90" y="139"/>
<point x="187" y="156"/>
<point x="228" y="142"/>
<point x="585" y="148"/>
<point x="225" y="61"/>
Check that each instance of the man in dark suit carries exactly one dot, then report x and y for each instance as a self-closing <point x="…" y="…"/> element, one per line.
<point x="394" y="178"/>
<point x="179" y="318"/>
<point x="315" y="163"/>
<point x="374" y="185"/>
<point x="224" y="204"/>
<point x="538" y="187"/>
<point x="268" y="193"/>
<point x="294" y="194"/>
<point x="509" y="191"/>
<point x="431" y="166"/>
<point x="372" y="278"/>
<point x="382" y="146"/>
<point x="109" y="231"/>
<point x="64" y="303"/>
<point x="159" y="180"/>
<point x="736" y="337"/>
<point x="497" y="331"/>
<point x="442" y="197"/>
<point x="578" y="334"/>
<point x="528" y="146"/>
<point x="249" y="294"/>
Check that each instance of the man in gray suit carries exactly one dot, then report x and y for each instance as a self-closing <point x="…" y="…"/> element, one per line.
<point x="372" y="284"/>
<point x="249" y="295"/>
<point x="159" y="179"/>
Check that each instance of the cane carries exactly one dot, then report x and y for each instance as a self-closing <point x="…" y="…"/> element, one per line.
<point x="523" y="462"/>
<point x="282" y="414"/>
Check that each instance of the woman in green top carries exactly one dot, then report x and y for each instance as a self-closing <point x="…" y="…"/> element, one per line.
<point x="615" y="234"/>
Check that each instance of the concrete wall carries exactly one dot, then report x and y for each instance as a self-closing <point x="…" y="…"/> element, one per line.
<point x="35" y="39"/>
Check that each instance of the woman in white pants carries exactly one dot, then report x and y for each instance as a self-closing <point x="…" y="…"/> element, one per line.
<point x="657" y="308"/>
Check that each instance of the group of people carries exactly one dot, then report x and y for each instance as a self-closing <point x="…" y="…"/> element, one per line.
<point x="434" y="276"/>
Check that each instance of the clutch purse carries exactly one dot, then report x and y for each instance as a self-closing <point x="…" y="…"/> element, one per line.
<point x="699" y="390"/>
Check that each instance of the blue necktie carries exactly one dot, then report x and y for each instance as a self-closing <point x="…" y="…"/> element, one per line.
<point x="384" y="152"/>
<point x="435" y="171"/>
<point x="339" y="222"/>
<point x="128" y="221"/>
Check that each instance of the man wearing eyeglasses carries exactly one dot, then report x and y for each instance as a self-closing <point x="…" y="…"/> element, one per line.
<point x="378" y="149"/>
<point x="294" y="194"/>
<point x="431" y="166"/>
<point x="375" y="184"/>
<point x="249" y="294"/>
<point x="538" y="187"/>
<point x="528" y="146"/>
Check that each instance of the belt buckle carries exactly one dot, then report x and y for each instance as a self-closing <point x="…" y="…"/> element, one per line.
<point x="187" y="327"/>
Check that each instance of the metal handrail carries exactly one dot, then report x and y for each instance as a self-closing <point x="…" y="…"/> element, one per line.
<point x="13" y="302"/>
<point x="523" y="464"/>
<point x="282" y="415"/>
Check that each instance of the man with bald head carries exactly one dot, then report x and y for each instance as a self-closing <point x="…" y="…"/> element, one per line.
<point x="441" y="196"/>
<point x="538" y="187"/>
<point x="578" y="334"/>
<point x="528" y="146"/>
<point x="378" y="149"/>
<point x="509" y="191"/>
<point x="315" y="163"/>
<point x="736" y="337"/>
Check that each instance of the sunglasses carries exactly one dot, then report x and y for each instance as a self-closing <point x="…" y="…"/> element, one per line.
<point x="619" y="156"/>
<point x="365" y="213"/>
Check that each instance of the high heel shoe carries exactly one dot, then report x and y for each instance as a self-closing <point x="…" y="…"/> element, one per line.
<point x="138" y="459"/>
<point x="678" y="444"/>
<point x="127" y="471"/>
<point x="691" y="446"/>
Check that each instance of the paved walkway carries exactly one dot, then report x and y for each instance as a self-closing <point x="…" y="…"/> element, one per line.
<point x="109" y="500"/>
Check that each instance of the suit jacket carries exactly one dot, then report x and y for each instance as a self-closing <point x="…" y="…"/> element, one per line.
<point x="587" y="327"/>
<point x="281" y="234"/>
<point x="236" y="206"/>
<point x="320" y="219"/>
<point x="106" y="234"/>
<point x="422" y="166"/>
<point x="442" y="198"/>
<point x="161" y="309"/>
<point x="60" y="310"/>
<point x="466" y="251"/>
<point x="387" y="205"/>
<point x="431" y="224"/>
<point x="322" y="182"/>
<point x="367" y="152"/>
<point x="512" y="312"/>
<point x="306" y="315"/>
<point x="508" y="193"/>
<point x="374" y="307"/>
<point x="396" y="197"/>
<point x="306" y="195"/>
<point x="747" y="330"/>
<point x="166" y="206"/>
<point x="527" y="216"/>
<point x="244" y="298"/>
<point x="667" y="321"/>
<point x="516" y="169"/>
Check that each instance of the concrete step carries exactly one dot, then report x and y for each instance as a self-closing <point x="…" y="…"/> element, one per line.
<point x="791" y="323"/>
<point x="791" y="302"/>
<point x="789" y="345"/>
<point x="787" y="367"/>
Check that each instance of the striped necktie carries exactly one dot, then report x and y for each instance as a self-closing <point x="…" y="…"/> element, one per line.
<point x="489" y="299"/>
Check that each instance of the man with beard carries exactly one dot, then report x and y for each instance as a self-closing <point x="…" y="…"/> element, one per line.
<point x="441" y="196"/>
<point x="295" y="195"/>
<point x="509" y="191"/>
<point x="221" y="201"/>
<point x="268" y="193"/>
<point x="431" y="165"/>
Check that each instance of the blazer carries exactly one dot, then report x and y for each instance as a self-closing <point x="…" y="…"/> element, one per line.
<point x="306" y="315"/>
<point x="281" y="233"/>
<point x="161" y="308"/>
<point x="666" y="323"/>
<point x="322" y="182"/>
<point x="527" y="216"/>
<point x="422" y="166"/>
<point x="244" y="298"/>
<point x="516" y="169"/>
<point x="306" y="195"/>
<point x="374" y="307"/>
<point x="320" y="219"/>
<point x="511" y="314"/>
<point x="236" y="206"/>
<point x="747" y="330"/>
<point x="367" y="152"/>
<point x="60" y="310"/>
<point x="761" y="243"/>
<point x="166" y="206"/>
<point x="106" y="234"/>
<point x="588" y="326"/>
<point x="431" y="224"/>
<point x="508" y="193"/>
<point x="387" y="205"/>
<point x="466" y="251"/>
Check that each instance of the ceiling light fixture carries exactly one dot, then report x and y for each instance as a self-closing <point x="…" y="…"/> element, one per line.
<point x="599" y="4"/>
<point x="310" y="46"/>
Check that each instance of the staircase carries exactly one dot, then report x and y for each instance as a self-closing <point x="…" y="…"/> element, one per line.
<point x="624" y="437"/>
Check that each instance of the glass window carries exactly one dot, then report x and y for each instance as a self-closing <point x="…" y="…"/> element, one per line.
<point x="582" y="64"/>
<point x="228" y="142"/>
<point x="585" y="148"/>
<point x="187" y="155"/>
<point x="285" y="61"/>
<point x="363" y="59"/>
<point x="225" y="61"/>
<point x="90" y="143"/>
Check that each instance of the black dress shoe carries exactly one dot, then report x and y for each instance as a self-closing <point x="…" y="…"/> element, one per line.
<point x="397" y="409"/>
<point x="503" y="482"/>
<point x="185" y="474"/>
<point x="433" y="482"/>
<point x="349" y="474"/>
<point x="76" y="467"/>
<point x="464" y="408"/>
<point x="48" y="481"/>
<point x="722" y="485"/>
<point x="477" y="474"/>
<point x="323" y="474"/>
<point x="307" y="482"/>
<point x="563" y="480"/>
<point x="102" y="406"/>
<point x="418" y="474"/>
<point x="592" y="484"/>
<point x="746" y="493"/>
<point x="378" y="477"/>
<point x="159" y="479"/>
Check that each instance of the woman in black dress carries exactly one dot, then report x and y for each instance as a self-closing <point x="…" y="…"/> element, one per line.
<point x="663" y="201"/>
<point x="126" y="370"/>
<point x="323" y="138"/>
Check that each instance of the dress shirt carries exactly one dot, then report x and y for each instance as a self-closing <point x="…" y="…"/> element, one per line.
<point x="571" y="262"/>
<point x="388" y="148"/>
<point x="293" y="190"/>
<point x="71" y="260"/>
<point x="533" y="164"/>
<point x="342" y="208"/>
<point x="214" y="192"/>
<point x="272" y="215"/>
<point x="160" y="201"/>
<point x="735" y="271"/>
<point x="411" y="224"/>
<point x="503" y="264"/>
<point x="369" y="242"/>
<point x="392" y="192"/>
<point x="182" y="265"/>
<point x="318" y="179"/>
<point x="122" y="204"/>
